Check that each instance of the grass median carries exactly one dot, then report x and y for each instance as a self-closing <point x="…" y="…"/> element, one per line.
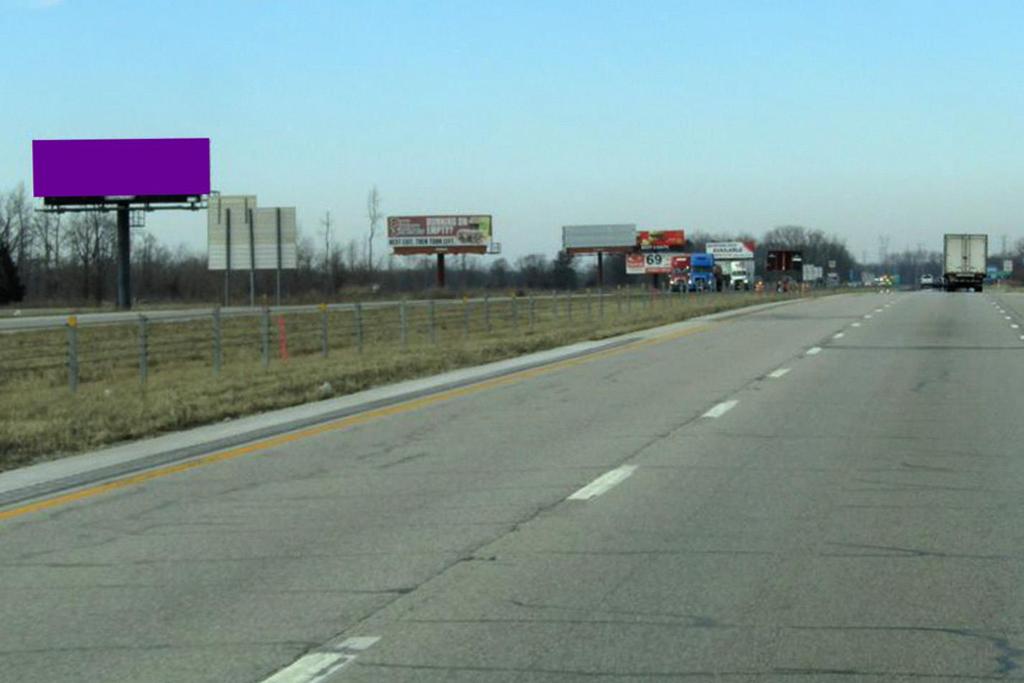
<point x="136" y="381"/>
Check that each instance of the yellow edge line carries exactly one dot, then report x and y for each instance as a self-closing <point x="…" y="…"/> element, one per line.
<point x="343" y="423"/>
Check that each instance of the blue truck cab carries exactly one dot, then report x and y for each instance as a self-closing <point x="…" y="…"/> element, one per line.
<point x="702" y="272"/>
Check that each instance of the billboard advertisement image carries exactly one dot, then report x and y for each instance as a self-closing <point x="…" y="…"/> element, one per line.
<point x="121" y="168"/>
<point x="440" y="233"/>
<point x="660" y="240"/>
<point x="652" y="263"/>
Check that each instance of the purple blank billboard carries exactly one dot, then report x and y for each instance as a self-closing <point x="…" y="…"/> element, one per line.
<point x="107" y="168"/>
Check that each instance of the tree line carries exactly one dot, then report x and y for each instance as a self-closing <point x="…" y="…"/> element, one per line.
<point x="71" y="259"/>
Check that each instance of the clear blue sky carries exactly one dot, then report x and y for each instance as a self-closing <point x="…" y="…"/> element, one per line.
<point x="860" y="118"/>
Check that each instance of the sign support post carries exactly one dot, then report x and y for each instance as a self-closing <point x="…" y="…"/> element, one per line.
<point x="124" y="266"/>
<point x="252" y="261"/>
<point x="227" y="259"/>
<point x="279" y="256"/>
<point x="600" y="270"/>
<point x="440" y="271"/>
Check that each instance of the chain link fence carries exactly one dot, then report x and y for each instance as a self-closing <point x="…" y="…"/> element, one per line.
<point x="91" y="383"/>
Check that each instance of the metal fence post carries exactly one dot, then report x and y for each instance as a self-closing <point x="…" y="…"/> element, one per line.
<point x="73" y="353"/>
<point x="143" y="350"/>
<point x="554" y="304"/>
<point x="568" y="306"/>
<point x="600" y="304"/>
<point x="629" y="301"/>
<point x="217" y="353"/>
<point x="533" y="313"/>
<point x="403" y="325"/>
<point x="515" y="313"/>
<point x="487" y="312"/>
<point x="265" y="336"/>
<point x="324" y="345"/>
<point x="590" y="310"/>
<point x="465" y="317"/>
<point x="433" y="322"/>
<point x="359" y="327"/>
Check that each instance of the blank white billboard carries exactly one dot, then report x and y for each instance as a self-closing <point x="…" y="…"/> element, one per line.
<point x="259" y="240"/>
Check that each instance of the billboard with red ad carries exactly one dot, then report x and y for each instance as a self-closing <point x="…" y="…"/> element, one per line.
<point x="440" y="234"/>
<point x="660" y="240"/>
<point x="162" y="167"/>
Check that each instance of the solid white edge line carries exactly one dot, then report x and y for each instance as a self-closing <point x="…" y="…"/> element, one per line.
<point x="603" y="483"/>
<point x="775" y="374"/>
<point x="720" y="409"/>
<point x="814" y="350"/>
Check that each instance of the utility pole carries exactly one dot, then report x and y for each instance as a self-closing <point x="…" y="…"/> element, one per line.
<point x="326" y="222"/>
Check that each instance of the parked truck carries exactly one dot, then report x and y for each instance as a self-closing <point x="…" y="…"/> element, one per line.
<point x="965" y="257"/>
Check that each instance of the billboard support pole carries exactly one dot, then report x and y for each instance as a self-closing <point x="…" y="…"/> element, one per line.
<point x="227" y="259"/>
<point x="124" y="248"/>
<point x="252" y="261"/>
<point x="600" y="270"/>
<point x="440" y="271"/>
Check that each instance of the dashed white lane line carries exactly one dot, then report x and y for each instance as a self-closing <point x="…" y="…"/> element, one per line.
<point x="1007" y="317"/>
<point x="868" y="316"/>
<point x="1014" y="326"/>
<point x="814" y="350"/>
<point x="878" y="310"/>
<point x="855" y="325"/>
<point x="838" y="335"/>
<point x="720" y="409"/>
<point x="317" y="667"/>
<point x="775" y="374"/>
<point x="603" y="483"/>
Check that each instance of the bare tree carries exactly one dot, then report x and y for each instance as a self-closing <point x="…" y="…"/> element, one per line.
<point x="373" y="214"/>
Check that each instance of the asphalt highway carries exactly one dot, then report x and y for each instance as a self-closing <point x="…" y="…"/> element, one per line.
<point x="828" y="490"/>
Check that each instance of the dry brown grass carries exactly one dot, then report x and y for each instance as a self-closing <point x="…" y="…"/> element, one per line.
<point x="41" y="418"/>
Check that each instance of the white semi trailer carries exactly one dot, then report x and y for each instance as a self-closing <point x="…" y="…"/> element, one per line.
<point x="965" y="258"/>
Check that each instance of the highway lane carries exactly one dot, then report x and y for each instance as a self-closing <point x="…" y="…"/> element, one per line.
<point x="838" y="511"/>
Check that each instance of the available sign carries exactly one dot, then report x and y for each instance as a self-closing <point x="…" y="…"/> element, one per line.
<point x="658" y="240"/>
<point x="730" y="251"/>
<point x="440" y="233"/>
<point x="651" y="263"/>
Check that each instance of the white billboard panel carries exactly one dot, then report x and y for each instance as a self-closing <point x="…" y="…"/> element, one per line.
<point x="224" y="210"/>
<point x="651" y="263"/>
<point x="730" y="251"/>
<point x="265" y="233"/>
<point x="598" y="237"/>
<point x="241" y="243"/>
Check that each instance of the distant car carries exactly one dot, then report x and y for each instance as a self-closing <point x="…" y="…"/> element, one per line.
<point x="927" y="281"/>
